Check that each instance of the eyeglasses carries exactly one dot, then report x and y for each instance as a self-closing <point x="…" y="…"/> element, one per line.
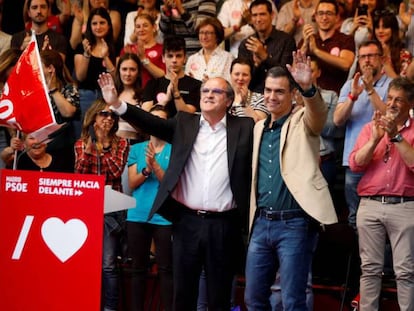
<point x="386" y="156"/>
<point x="215" y="91"/>
<point x="370" y="56"/>
<point x="106" y="114"/>
<point x="327" y="13"/>
<point x="206" y="33"/>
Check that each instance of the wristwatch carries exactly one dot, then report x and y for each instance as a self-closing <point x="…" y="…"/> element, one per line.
<point x="145" y="173"/>
<point x="397" y="138"/>
<point x="145" y="61"/>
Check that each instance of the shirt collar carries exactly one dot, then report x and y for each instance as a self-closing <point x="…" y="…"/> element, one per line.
<point x="204" y="122"/>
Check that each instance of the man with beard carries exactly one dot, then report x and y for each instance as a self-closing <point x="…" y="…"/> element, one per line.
<point x="46" y="38"/>
<point x="358" y="100"/>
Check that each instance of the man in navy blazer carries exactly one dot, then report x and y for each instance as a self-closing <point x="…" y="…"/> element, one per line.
<point x="205" y="190"/>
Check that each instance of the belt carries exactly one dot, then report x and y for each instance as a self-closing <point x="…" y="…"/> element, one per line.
<point x="281" y="215"/>
<point x="390" y="199"/>
<point x="209" y="214"/>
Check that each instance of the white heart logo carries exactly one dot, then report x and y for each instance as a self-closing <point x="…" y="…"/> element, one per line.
<point x="64" y="239"/>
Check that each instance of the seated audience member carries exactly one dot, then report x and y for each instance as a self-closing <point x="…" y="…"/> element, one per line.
<point x="147" y="48"/>
<point x="211" y="61"/>
<point x="100" y="152"/>
<point x="246" y="103"/>
<point x="384" y="153"/>
<point x="360" y="26"/>
<point x="47" y="39"/>
<point x="147" y="163"/>
<point x="64" y="98"/>
<point x="294" y="15"/>
<point x="176" y="91"/>
<point x="268" y="47"/>
<point x="149" y="7"/>
<point x="335" y="51"/>
<point x="386" y="31"/>
<point x="55" y="22"/>
<point x="235" y="17"/>
<point x="181" y="17"/>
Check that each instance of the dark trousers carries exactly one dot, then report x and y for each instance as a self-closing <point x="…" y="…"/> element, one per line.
<point x="212" y="242"/>
<point x="140" y="236"/>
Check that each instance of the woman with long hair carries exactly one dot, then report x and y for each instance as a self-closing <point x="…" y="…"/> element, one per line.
<point x="99" y="151"/>
<point x="64" y="98"/>
<point x="148" y="50"/>
<point x="95" y="55"/>
<point x="387" y="31"/>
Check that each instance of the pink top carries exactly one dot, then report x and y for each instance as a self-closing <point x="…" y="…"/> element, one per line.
<point x="386" y="174"/>
<point x="154" y="54"/>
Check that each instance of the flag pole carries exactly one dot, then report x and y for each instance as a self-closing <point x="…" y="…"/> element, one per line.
<point x="15" y="153"/>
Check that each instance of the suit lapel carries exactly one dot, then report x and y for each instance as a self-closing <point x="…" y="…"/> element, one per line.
<point x="233" y="130"/>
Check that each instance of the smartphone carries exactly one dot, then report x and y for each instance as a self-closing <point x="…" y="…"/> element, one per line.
<point x="362" y="9"/>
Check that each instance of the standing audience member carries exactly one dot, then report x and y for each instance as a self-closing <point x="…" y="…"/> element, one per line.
<point x="64" y="98"/>
<point x="235" y="17"/>
<point x="100" y="152"/>
<point x="384" y="153"/>
<point x="147" y="48"/>
<point x="335" y="51"/>
<point x="211" y="61"/>
<point x="246" y="103"/>
<point x="83" y="10"/>
<point x="181" y="17"/>
<point x="214" y="149"/>
<point x="294" y="15"/>
<point x="47" y="39"/>
<point x="7" y="62"/>
<point x="358" y="100"/>
<point x="176" y="91"/>
<point x="386" y="31"/>
<point x="148" y="7"/>
<point x="95" y="55"/>
<point x="288" y="193"/>
<point x="147" y="163"/>
<point x="268" y="47"/>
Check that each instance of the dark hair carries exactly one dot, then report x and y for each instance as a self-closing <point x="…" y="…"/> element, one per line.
<point x="261" y="2"/>
<point x="404" y="84"/>
<point x="173" y="44"/>
<point x="159" y="107"/>
<point x="109" y="37"/>
<point x="333" y="2"/>
<point x="218" y="28"/>
<point x="29" y="3"/>
<point x="8" y="59"/>
<point x="372" y="42"/>
<point x="137" y="84"/>
<point x="282" y="72"/>
<point x="52" y="57"/>
<point x="242" y="61"/>
<point x="389" y="20"/>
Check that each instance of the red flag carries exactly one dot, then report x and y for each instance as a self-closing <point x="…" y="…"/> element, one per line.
<point x="25" y="103"/>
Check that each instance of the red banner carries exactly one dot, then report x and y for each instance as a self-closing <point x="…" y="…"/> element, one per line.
<point x="51" y="231"/>
<point x="25" y="103"/>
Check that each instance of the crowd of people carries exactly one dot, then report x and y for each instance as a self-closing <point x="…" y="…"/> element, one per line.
<point x="228" y="121"/>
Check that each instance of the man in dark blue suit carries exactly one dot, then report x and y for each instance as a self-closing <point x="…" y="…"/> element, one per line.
<point x="205" y="190"/>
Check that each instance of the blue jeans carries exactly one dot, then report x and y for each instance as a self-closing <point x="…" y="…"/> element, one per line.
<point x="279" y="244"/>
<point x="276" y="296"/>
<point x="351" y="195"/>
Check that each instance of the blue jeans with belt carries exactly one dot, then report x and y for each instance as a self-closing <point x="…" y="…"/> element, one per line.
<point x="285" y="244"/>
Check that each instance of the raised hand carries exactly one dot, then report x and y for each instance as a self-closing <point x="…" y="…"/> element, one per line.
<point x="109" y="93"/>
<point x="301" y="70"/>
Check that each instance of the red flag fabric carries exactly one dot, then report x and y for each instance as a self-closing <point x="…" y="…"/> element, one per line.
<point x="25" y="103"/>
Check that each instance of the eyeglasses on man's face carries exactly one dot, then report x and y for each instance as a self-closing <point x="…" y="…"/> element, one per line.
<point x="215" y="91"/>
<point x="327" y="13"/>
<point x="369" y="56"/>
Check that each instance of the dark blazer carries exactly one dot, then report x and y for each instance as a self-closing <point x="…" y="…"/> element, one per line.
<point x="181" y="131"/>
